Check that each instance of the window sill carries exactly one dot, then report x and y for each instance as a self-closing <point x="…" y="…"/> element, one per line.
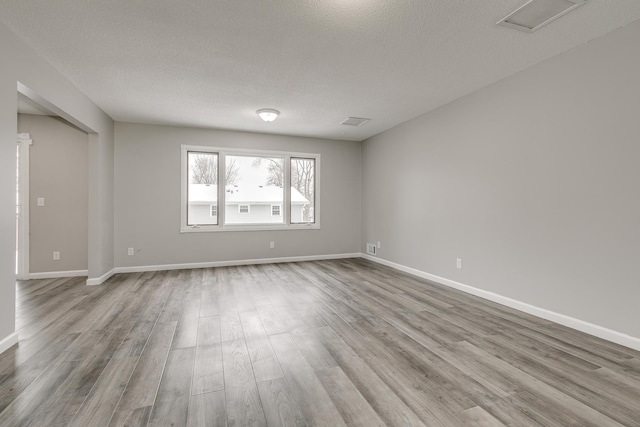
<point x="218" y="228"/>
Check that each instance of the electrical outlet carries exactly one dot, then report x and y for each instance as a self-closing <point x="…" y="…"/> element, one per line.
<point x="40" y="201"/>
<point x="272" y="244"/>
<point x="131" y="251"/>
<point x="459" y="263"/>
<point x="56" y="255"/>
<point x="379" y="244"/>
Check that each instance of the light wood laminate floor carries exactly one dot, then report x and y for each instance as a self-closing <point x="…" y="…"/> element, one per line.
<point x="328" y="343"/>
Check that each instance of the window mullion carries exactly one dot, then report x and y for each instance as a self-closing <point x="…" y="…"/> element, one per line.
<point x="222" y="165"/>
<point x="184" y="184"/>
<point x="287" y="190"/>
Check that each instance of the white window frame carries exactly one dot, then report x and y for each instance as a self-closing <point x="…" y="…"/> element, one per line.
<point x="279" y="210"/>
<point x="221" y="226"/>
<point x="290" y="206"/>
<point x="240" y="205"/>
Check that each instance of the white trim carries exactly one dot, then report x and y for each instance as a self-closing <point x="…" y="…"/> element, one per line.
<point x="571" y="322"/>
<point x="213" y="228"/>
<point x="230" y="151"/>
<point x="286" y="202"/>
<point x="57" y="274"/>
<point x="184" y="188"/>
<point x="222" y="154"/>
<point x="162" y="267"/>
<point x="8" y="342"/>
<point x="317" y="192"/>
<point x="100" y="280"/>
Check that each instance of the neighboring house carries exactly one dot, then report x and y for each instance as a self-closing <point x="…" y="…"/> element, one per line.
<point x="244" y="204"/>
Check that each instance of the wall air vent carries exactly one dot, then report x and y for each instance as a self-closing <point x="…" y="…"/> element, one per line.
<point x="537" y="13"/>
<point x="371" y="249"/>
<point x="354" y="121"/>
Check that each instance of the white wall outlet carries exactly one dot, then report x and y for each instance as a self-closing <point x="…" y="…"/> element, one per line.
<point x="379" y="244"/>
<point x="131" y="251"/>
<point x="40" y="201"/>
<point x="56" y="255"/>
<point x="459" y="263"/>
<point x="371" y="249"/>
<point x="272" y="244"/>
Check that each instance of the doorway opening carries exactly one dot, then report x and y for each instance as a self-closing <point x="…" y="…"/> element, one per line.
<point x="51" y="194"/>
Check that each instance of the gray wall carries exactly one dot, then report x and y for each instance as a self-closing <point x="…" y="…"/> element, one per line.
<point x="147" y="170"/>
<point x="532" y="181"/>
<point x="58" y="161"/>
<point x="21" y="64"/>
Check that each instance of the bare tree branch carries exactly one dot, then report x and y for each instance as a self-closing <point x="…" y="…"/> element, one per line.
<point x="275" y="170"/>
<point x="232" y="172"/>
<point x="204" y="170"/>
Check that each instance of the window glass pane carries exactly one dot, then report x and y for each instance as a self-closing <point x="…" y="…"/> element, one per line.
<point x="303" y="190"/>
<point x="202" y="191"/>
<point x="252" y="185"/>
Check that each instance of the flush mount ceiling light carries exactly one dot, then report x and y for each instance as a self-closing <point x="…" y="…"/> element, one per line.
<point x="268" y="114"/>
<point x="537" y="13"/>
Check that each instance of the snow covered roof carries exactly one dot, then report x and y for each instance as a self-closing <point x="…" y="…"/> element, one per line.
<point x="236" y="194"/>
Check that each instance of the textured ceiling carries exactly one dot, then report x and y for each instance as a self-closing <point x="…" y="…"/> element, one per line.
<point x="213" y="63"/>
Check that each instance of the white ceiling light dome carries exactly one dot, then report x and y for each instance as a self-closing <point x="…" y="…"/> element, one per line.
<point x="268" y="114"/>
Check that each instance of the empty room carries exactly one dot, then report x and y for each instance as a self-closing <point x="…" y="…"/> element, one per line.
<point x="319" y="213"/>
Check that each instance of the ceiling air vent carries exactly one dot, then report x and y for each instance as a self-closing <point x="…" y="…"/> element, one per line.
<point x="354" y="121"/>
<point x="537" y="13"/>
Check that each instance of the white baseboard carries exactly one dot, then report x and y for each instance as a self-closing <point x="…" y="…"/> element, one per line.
<point x="100" y="280"/>
<point x="58" y="274"/>
<point x="571" y="322"/>
<point x="9" y="341"/>
<point x="143" y="268"/>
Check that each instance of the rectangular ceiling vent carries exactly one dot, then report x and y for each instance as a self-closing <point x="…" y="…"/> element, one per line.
<point x="354" y="121"/>
<point x="536" y="14"/>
